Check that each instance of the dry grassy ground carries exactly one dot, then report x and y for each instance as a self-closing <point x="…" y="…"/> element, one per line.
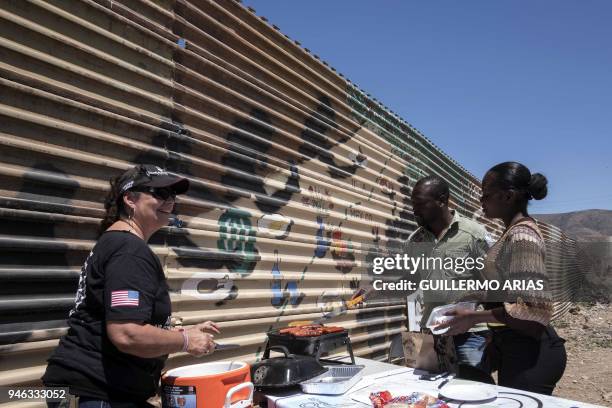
<point x="588" y="332"/>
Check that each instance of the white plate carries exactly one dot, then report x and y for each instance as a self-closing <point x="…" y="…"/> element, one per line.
<point x="437" y="315"/>
<point x="468" y="391"/>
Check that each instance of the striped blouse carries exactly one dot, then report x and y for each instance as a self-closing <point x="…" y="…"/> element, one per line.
<point x="520" y="255"/>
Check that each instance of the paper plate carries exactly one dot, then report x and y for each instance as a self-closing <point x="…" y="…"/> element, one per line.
<point x="468" y="391"/>
<point x="437" y="315"/>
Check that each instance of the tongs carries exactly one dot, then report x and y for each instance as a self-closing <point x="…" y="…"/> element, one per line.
<point x="229" y="346"/>
<point x="335" y="312"/>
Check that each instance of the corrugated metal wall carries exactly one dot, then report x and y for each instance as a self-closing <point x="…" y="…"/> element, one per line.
<point x="297" y="175"/>
<point x="566" y="267"/>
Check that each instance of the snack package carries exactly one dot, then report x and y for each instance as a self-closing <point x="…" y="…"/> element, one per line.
<point x="380" y="399"/>
<point x="384" y="399"/>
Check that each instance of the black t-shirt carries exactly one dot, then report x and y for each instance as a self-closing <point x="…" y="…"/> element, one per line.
<point x="121" y="280"/>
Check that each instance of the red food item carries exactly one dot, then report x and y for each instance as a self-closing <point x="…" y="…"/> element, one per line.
<point x="306" y="332"/>
<point x="380" y="399"/>
<point x="301" y="331"/>
<point x="384" y="399"/>
<point x="332" y="329"/>
<point x="310" y="330"/>
<point x="286" y="330"/>
<point x="311" y="327"/>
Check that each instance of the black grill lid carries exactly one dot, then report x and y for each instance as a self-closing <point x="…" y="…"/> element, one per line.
<point x="285" y="371"/>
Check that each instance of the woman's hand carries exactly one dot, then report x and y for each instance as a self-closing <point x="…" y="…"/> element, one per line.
<point x="462" y="321"/>
<point x="208" y="327"/>
<point x="201" y="338"/>
<point x="200" y="343"/>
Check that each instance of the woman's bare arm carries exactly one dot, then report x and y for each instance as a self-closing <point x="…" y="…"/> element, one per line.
<point x="147" y="341"/>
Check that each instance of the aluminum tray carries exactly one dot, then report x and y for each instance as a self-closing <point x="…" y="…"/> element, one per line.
<point x="336" y="380"/>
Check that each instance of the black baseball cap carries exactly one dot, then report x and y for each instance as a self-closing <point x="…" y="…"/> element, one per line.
<point x="149" y="175"/>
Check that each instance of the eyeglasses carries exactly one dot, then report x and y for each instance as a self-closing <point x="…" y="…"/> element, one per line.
<point x="161" y="193"/>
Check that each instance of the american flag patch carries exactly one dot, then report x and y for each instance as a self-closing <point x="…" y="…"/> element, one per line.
<point x="124" y="298"/>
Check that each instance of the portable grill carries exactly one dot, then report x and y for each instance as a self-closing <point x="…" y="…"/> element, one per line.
<point x="314" y="346"/>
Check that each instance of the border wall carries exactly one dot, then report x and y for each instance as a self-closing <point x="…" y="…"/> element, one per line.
<point x="297" y="174"/>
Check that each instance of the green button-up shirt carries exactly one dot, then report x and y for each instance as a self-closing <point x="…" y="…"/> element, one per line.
<point x="463" y="238"/>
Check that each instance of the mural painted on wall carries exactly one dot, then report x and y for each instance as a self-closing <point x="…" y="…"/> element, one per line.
<point x="319" y="199"/>
<point x="287" y="294"/>
<point x="322" y="244"/>
<point x="317" y="145"/>
<point x="274" y="225"/>
<point x="237" y="240"/>
<point x="237" y="252"/>
<point x="371" y="115"/>
<point x="178" y="141"/>
<point x="342" y="250"/>
<point x="248" y="154"/>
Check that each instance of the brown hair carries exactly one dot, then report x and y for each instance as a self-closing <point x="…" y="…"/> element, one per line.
<point x="114" y="206"/>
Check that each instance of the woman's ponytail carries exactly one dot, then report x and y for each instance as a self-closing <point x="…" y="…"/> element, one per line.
<point x="113" y="206"/>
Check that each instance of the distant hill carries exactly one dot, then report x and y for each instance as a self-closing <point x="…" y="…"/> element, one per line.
<point x="588" y="225"/>
<point x="593" y="231"/>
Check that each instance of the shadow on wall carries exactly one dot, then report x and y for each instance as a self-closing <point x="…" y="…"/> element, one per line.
<point x="246" y="161"/>
<point x="39" y="278"/>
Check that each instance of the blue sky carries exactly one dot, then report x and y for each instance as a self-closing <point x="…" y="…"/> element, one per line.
<point x="487" y="81"/>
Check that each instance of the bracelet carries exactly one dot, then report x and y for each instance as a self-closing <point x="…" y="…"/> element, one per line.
<point x="185" y="339"/>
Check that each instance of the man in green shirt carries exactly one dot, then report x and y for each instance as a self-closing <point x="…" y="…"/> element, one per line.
<point x="443" y="234"/>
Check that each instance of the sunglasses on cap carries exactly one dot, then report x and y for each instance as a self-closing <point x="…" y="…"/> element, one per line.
<point x="161" y="193"/>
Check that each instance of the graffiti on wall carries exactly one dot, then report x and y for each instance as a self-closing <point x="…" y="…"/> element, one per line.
<point x="370" y="114"/>
<point x="287" y="294"/>
<point x="318" y="145"/>
<point x="248" y="153"/>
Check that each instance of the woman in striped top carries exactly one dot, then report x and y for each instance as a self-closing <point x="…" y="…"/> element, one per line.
<point x="525" y="350"/>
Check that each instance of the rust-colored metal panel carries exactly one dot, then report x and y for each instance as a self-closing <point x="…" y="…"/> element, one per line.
<point x="298" y="176"/>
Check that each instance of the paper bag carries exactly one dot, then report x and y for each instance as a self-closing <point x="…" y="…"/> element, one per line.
<point x="420" y="352"/>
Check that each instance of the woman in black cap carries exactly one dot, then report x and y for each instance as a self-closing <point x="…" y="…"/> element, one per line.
<point x="525" y="349"/>
<point x="119" y="329"/>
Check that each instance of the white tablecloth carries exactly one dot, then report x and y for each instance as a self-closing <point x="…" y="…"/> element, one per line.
<point x="404" y="381"/>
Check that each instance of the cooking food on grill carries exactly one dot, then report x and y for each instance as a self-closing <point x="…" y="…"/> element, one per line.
<point x="299" y="323"/>
<point x="310" y="340"/>
<point x="310" y="330"/>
